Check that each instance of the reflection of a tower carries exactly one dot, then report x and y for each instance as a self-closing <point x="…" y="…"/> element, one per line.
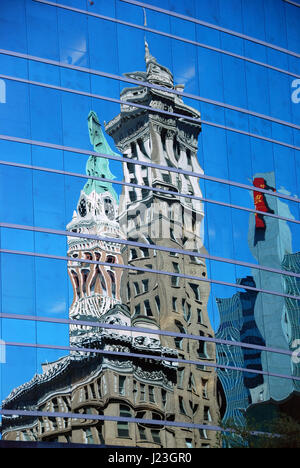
<point x="168" y="220"/>
<point x="96" y="287"/>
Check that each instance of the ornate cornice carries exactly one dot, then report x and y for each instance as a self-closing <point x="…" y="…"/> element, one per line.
<point x="107" y="340"/>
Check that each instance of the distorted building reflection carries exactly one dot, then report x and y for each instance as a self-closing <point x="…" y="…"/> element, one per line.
<point x="238" y="324"/>
<point x="102" y="383"/>
<point x="263" y="319"/>
<point x="162" y="217"/>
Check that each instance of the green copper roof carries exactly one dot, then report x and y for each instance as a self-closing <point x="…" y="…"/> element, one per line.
<point x="99" y="167"/>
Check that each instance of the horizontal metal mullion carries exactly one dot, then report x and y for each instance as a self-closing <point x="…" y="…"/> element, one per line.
<point x="161" y="357"/>
<point x="98" y="417"/>
<point x="104" y="325"/>
<point x="149" y="188"/>
<point x="212" y="26"/>
<point x="123" y="159"/>
<point x="169" y="35"/>
<point x="152" y="109"/>
<point x="292" y="3"/>
<point x="161" y="248"/>
<point x="147" y="270"/>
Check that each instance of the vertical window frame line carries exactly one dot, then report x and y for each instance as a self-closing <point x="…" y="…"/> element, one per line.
<point x="32" y="175"/>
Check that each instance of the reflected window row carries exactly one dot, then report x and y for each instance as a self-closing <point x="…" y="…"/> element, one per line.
<point x="98" y="273"/>
<point x="47" y="429"/>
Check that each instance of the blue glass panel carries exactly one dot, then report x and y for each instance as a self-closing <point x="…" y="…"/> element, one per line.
<point x="12" y="20"/>
<point x="42" y="30"/>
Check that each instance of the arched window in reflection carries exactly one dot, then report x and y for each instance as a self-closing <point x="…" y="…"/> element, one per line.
<point x="202" y="352"/>
<point x="113" y="283"/>
<point x="76" y="281"/>
<point x="178" y="340"/>
<point x="147" y="308"/>
<point x="88" y="256"/>
<point x="155" y="433"/>
<point x="151" y="394"/>
<point x="94" y="280"/>
<point x="103" y="284"/>
<point x="133" y="254"/>
<point x="192" y="383"/>
<point x="110" y="259"/>
<point x="194" y="407"/>
<point x="181" y="405"/>
<point x="84" y="273"/>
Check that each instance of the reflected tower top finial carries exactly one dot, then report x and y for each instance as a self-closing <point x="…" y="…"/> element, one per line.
<point x="147" y="51"/>
<point x="148" y="56"/>
<point x="156" y="73"/>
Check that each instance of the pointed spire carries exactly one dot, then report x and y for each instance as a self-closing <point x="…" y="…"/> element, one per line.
<point x="147" y="52"/>
<point x="99" y="166"/>
<point x="157" y="73"/>
<point x="148" y="56"/>
<point x="97" y="137"/>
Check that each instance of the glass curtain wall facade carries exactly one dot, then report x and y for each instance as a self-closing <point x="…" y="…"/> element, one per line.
<point x="149" y="219"/>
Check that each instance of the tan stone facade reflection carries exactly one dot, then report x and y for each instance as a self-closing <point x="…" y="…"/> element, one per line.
<point x="171" y="221"/>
